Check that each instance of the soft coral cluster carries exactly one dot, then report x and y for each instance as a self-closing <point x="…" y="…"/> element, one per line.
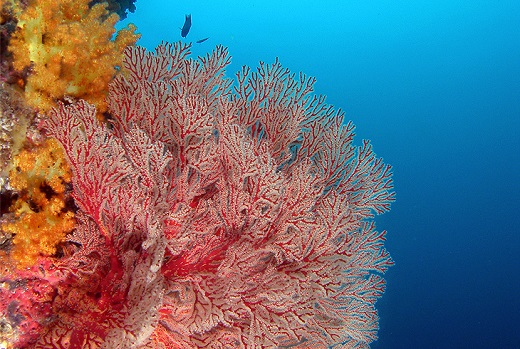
<point x="68" y="48"/>
<point x="41" y="218"/>
<point x="216" y="217"/>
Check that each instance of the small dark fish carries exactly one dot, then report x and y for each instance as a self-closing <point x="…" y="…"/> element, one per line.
<point x="201" y="40"/>
<point x="186" y="27"/>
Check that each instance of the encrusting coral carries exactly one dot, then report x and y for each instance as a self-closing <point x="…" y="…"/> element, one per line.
<point x="67" y="47"/>
<point x="41" y="219"/>
<point x="15" y="119"/>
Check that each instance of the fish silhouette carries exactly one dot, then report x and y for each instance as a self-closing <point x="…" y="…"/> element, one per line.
<point x="201" y="40"/>
<point x="186" y="27"/>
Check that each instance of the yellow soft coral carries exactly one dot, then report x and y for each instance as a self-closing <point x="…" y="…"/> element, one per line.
<point x="68" y="46"/>
<point x="41" y="220"/>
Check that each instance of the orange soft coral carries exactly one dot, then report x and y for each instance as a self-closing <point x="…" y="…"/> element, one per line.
<point x="41" y="219"/>
<point x="68" y="45"/>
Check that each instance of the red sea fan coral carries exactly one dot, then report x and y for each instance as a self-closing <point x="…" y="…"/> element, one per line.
<point x="213" y="216"/>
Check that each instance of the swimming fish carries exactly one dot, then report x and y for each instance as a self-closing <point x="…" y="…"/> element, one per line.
<point x="201" y="40"/>
<point x="186" y="27"/>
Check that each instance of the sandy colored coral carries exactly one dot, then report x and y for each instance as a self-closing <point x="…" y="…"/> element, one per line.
<point x="67" y="46"/>
<point x="41" y="219"/>
<point x="15" y="120"/>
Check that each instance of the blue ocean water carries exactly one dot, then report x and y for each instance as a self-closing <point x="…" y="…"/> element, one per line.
<point x="436" y="86"/>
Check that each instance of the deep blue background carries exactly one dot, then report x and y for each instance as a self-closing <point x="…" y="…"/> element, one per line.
<point x="436" y="86"/>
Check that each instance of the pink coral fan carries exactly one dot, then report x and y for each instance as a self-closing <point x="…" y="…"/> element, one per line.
<point x="212" y="216"/>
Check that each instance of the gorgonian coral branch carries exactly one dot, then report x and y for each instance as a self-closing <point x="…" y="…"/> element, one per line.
<point x="237" y="218"/>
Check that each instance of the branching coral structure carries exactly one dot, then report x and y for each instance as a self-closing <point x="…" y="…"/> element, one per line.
<point x="216" y="216"/>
